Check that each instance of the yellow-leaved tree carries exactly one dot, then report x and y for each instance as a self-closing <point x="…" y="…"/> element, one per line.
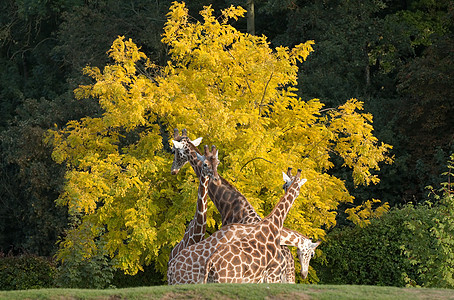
<point x="237" y="93"/>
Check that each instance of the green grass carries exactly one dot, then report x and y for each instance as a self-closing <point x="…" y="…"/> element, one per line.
<point x="237" y="291"/>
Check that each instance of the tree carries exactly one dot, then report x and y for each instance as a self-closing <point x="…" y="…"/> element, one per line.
<point x="237" y="93"/>
<point x="44" y="45"/>
<point x="426" y="88"/>
<point x="363" y="49"/>
<point x="29" y="78"/>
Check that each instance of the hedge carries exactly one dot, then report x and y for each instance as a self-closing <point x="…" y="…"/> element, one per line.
<point x="26" y="272"/>
<point x="399" y="249"/>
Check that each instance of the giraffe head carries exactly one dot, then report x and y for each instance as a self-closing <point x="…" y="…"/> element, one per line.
<point x="305" y="251"/>
<point x="210" y="164"/>
<point x="288" y="179"/>
<point x="181" y="147"/>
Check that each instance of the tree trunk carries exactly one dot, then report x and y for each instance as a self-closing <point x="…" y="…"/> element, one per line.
<point x="250" y="17"/>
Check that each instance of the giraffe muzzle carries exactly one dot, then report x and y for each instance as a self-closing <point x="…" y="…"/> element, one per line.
<point x="174" y="171"/>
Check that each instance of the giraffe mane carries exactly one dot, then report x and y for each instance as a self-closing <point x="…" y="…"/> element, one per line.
<point x="228" y="184"/>
<point x="223" y="180"/>
<point x="302" y="235"/>
<point x="194" y="147"/>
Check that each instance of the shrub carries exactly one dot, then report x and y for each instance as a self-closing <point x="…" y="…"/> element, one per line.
<point x="26" y="272"/>
<point x="413" y="245"/>
<point x="85" y="273"/>
<point x="399" y="249"/>
<point x="444" y="231"/>
<point x="149" y="276"/>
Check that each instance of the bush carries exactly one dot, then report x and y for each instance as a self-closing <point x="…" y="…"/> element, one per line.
<point x="399" y="249"/>
<point x="26" y="272"/>
<point x="149" y="276"/>
<point x="85" y="273"/>
<point x="410" y="246"/>
<point x="444" y="231"/>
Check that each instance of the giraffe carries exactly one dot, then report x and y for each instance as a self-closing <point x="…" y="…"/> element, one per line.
<point x="305" y="249"/>
<point x="231" y="204"/>
<point x="188" y="267"/>
<point x="195" y="232"/>
<point x="250" y="259"/>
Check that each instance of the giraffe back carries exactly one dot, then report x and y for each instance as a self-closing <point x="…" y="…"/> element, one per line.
<point x="189" y="265"/>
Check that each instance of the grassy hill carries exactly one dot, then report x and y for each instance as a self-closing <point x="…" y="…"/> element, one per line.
<point x="238" y="291"/>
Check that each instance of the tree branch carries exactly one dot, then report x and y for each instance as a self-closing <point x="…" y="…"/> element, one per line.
<point x="264" y="92"/>
<point x="247" y="81"/>
<point x="251" y="160"/>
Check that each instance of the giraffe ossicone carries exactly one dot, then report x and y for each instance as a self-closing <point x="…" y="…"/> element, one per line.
<point x="288" y="178"/>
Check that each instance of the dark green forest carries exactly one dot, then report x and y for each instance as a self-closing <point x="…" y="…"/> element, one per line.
<point x="395" y="55"/>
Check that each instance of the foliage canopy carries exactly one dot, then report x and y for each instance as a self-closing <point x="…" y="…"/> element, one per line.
<point x="237" y="93"/>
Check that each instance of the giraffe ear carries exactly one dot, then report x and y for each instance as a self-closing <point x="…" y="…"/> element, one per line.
<point x="200" y="157"/>
<point x="177" y="144"/>
<point x="197" y="141"/>
<point x="314" y="245"/>
<point x="286" y="178"/>
<point x="302" y="181"/>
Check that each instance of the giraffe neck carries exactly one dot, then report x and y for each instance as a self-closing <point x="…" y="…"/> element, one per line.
<point x="231" y="204"/>
<point x="280" y="211"/>
<point x="199" y="229"/>
<point x="291" y="237"/>
<point x="195" y="232"/>
<point x="194" y="162"/>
